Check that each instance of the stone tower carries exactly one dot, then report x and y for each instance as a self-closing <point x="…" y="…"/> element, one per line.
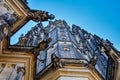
<point x="53" y="52"/>
<point x="70" y="50"/>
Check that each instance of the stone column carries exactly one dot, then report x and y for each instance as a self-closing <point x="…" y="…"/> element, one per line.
<point x="20" y="73"/>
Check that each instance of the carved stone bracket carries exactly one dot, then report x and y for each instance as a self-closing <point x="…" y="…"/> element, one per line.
<point x="62" y="62"/>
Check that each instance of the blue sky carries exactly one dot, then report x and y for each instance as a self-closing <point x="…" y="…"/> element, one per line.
<point x="100" y="17"/>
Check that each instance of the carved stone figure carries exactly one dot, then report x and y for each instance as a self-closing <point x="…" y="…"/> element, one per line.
<point x="22" y="40"/>
<point x="13" y="18"/>
<point x="75" y="29"/>
<point x="41" y="46"/>
<point x="20" y="73"/>
<point x="4" y="28"/>
<point x="93" y="62"/>
<point x="6" y="21"/>
<point x="9" y="18"/>
<point x="56" y="62"/>
<point x="38" y="15"/>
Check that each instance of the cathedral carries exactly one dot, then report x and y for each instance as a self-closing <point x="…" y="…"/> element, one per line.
<point x="53" y="52"/>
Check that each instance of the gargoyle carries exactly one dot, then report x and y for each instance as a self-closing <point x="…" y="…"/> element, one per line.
<point x="41" y="46"/>
<point x="92" y="62"/>
<point x="38" y="15"/>
<point x="56" y="62"/>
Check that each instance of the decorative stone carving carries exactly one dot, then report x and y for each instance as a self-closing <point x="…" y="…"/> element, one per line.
<point x="22" y="40"/>
<point x="10" y="18"/>
<point x="20" y="73"/>
<point x="75" y="29"/>
<point x="86" y="51"/>
<point x="56" y="62"/>
<point x="81" y="44"/>
<point x="4" y="29"/>
<point x="93" y="62"/>
<point x="6" y="22"/>
<point x="103" y="49"/>
<point x="41" y="46"/>
<point x="38" y="15"/>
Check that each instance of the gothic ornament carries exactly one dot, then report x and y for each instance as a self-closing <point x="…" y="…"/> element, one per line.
<point x="38" y="15"/>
